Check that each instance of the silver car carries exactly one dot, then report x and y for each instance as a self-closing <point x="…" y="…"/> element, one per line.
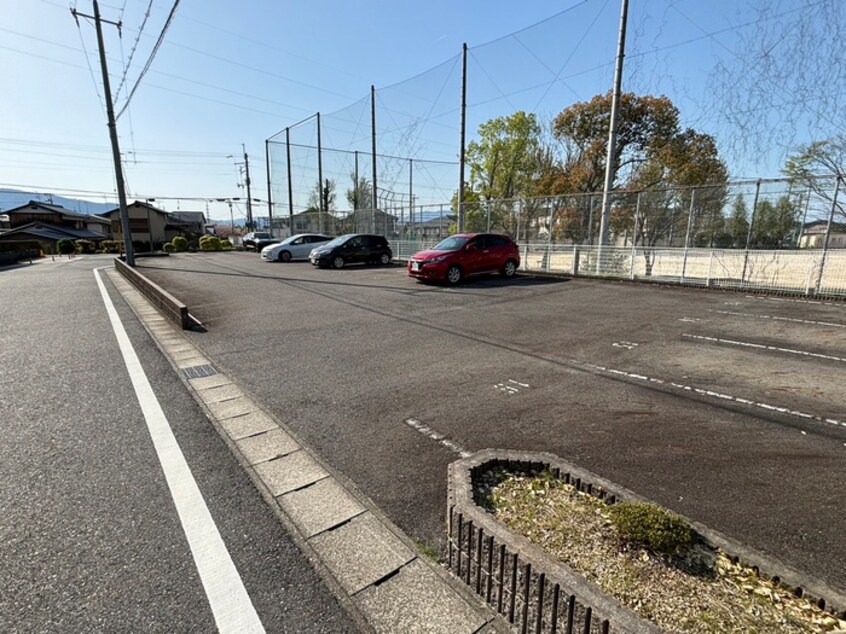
<point x="297" y="247"/>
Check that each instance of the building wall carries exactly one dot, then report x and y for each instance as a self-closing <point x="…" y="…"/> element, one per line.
<point x="145" y="225"/>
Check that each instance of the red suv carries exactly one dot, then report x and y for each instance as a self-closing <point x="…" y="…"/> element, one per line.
<point x="466" y="254"/>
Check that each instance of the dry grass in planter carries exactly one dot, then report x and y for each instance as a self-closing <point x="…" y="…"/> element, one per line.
<point x="678" y="583"/>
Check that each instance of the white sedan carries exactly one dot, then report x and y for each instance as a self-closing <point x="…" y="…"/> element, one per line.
<point x="296" y="247"/>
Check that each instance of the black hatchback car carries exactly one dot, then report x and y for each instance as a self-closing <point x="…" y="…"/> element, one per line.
<point x="353" y="247"/>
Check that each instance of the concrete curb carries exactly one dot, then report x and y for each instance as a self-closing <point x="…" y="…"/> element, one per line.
<point x="171" y="307"/>
<point x="370" y="565"/>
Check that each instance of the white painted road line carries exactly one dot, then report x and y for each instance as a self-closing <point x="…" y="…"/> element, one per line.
<point x="713" y="394"/>
<point x="777" y="318"/>
<point x="795" y="300"/>
<point x="628" y="345"/>
<point x="230" y="604"/>
<point x="437" y="437"/>
<point x="760" y="346"/>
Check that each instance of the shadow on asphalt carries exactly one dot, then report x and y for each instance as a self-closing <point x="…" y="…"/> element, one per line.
<point x="465" y="287"/>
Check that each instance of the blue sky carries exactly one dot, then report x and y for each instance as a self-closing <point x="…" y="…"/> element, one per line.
<point x="231" y="73"/>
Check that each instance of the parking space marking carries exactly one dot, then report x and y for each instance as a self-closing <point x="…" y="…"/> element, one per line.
<point x="760" y="346"/>
<point x="628" y="345"/>
<point x="690" y="320"/>
<point x="712" y="393"/>
<point x="509" y="388"/>
<point x="231" y="606"/>
<point x="437" y="437"/>
<point x="797" y="301"/>
<point x="777" y="318"/>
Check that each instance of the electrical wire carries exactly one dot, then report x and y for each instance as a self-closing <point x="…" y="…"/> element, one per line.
<point x="134" y="48"/>
<point x="100" y="99"/>
<point x="150" y="58"/>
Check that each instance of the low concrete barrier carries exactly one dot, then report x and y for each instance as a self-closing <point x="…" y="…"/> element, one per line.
<point x="168" y="305"/>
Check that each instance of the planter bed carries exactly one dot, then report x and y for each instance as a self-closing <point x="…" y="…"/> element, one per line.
<point x="534" y="536"/>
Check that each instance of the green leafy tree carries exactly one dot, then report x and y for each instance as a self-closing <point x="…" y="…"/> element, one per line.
<point x="774" y="225"/>
<point x="504" y="160"/>
<point x="737" y="224"/>
<point x="360" y="195"/>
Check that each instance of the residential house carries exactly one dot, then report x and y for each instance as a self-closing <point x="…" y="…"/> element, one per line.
<point x="433" y="229"/>
<point x="813" y="235"/>
<point x="369" y="221"/>
<point x="149" y="224"/>
<point x="46" y="224"/>
<point x="195" y="221"/>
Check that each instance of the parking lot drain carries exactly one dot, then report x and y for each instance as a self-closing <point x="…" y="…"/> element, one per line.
<point x="199" y="371"/>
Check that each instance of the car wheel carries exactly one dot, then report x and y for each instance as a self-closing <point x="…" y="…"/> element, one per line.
<point x="285" y="256"/>
<point x="509" y="268"/>
<point x="453" y="274"/>
<point x="338" y="262"/>
<point x="384" y="259"/>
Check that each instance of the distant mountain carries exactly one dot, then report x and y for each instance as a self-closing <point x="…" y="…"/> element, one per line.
<point x="11" y="198"/>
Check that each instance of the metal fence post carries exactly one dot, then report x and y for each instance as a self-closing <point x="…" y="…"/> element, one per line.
<point x="749" y="233"/>
<point x="687" y="234"/>
<point x="634" y="236"/>
<point x="488" y="208"/>
<point x="549" y="238"/>
<point x="575" y="259"/>
<point x="710" y="261"/>
<point x="828" y="234"/>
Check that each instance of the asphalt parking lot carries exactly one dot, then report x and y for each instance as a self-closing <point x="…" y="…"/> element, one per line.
<point x="725" y="407"/>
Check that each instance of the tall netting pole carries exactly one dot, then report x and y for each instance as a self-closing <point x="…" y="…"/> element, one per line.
<point x="320" y="197"/>
<point x="374" y="205"/>
<point x="610" y="161"/>
<point x="411" y="192"/>
<point x="463" y="137"/>
<point x="269" y="190"/>
<point x="290" y="184"/>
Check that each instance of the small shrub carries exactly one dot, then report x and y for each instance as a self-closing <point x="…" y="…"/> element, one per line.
<point x="84" y="246"/>
<point x="112" y="246"/>
<point x="168" y="247"/>
<point x="193" y="245"/>
<point x="65" y="246"/>
<point x="209" y="243"/>
<point x="226" y="245"/>
<point x="180" y="243"/>
<point x="649" y="526"/>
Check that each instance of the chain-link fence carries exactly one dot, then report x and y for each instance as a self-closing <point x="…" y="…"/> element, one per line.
<point x="768" y="235"/>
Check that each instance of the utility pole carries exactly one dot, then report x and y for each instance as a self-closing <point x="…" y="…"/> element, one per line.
<point x="463" y="136"/>
<point x="110" y="113"/>
<point x="249" y="194"/>
<point x="611" y="158"/>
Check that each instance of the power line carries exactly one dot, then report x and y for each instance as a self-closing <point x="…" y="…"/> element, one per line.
<point x="134" y="47"/>
<point x="151" y="58"/>
<point x="88" y="64"/>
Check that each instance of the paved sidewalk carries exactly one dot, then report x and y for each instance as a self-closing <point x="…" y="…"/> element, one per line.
<point x="373" y="567"/>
